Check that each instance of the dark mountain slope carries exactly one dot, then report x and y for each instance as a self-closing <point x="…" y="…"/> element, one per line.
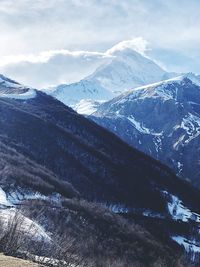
<point x="98" y="164"/>
<point x="20" y="175"/>
<point x="100" y="237"/>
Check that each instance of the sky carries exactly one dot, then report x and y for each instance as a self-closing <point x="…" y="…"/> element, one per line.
<point x="44" y="43"/>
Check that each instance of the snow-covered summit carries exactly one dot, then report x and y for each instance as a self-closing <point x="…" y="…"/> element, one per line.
<point x="128" y="69"/>
<point x="124" y="69"/>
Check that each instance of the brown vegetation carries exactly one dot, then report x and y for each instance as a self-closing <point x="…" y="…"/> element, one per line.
<point x="7" y="261"/>
<point x="18" y="171"/>
<point x="88" y="234"/>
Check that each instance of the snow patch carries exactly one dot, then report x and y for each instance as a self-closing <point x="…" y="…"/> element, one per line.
<point x="158" y="143"/>
<point x="191" y="124"/>
<point x="179" y="212"/>
<point x="25" y="225"/>
<point x="179" y="141"/>
<point x="3" y="198"/>
<point x="140" y="127"/>
<point x="151" y="214"/>
<point x="190" y="246"/>
<point x="117" y="208"/>
<point x="87" y="106"/>
<point x="17" y="196"/>
<point x="180" y="167"/>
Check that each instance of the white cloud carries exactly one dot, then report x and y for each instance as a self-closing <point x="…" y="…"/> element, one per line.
<point x="45" y="56"/>
<point x="61" y="66"/>
<point x="60" y="26"/>
<point x="33" y="26"/>
<point x="138" y="44"/>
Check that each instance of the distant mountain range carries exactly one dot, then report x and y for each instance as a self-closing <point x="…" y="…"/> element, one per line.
<point x="126" y="69"/>
<point x="50" y="153"/>
<point x="151" y="109"/>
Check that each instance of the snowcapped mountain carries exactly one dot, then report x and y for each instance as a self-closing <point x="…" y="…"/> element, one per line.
<point x="162" y="120"/>
<point x="128" y="69"/>
<point x="124" y="69"/>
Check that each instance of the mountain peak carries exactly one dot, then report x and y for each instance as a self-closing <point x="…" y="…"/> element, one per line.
<point x="128" y="69"/>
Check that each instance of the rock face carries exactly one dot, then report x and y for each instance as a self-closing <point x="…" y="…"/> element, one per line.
<point x="126" y="69"/>
<point x="162" y="120"/>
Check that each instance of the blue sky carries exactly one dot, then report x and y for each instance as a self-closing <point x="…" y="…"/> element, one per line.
<point x="29" y="28"/>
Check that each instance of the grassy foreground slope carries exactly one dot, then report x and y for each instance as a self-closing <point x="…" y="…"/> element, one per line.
<point x="7" y="261"/>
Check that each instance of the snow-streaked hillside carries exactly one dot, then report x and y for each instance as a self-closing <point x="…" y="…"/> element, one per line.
<point x="160" y="119"/>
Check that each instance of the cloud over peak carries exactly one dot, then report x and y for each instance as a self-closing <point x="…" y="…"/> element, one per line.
<point x="137" y="44"/>
<point x="62" y="66"/>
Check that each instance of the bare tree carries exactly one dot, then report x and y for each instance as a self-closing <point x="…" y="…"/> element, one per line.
<point x="12" y="238"/>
